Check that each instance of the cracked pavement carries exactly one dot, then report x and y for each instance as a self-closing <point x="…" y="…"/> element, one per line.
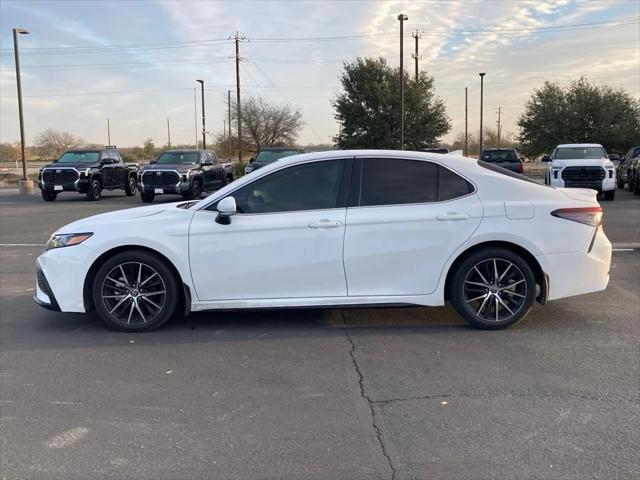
<point x="405" y="393"/>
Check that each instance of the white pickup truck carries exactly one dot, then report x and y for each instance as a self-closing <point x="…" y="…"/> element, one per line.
<point x="581" y="165"/>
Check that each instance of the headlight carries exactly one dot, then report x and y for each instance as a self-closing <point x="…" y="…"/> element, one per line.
<point x="66" y="239"/>
<point x="85" y="172"/>
<point x="185" y="176"/>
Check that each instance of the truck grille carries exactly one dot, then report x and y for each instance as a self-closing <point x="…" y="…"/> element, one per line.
<point x="583" y="174"/>
<point x="155" y="178"/>
<point x="59" y="175"/>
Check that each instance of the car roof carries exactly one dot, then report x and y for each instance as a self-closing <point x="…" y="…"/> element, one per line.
<point x="278" y="148"/>
<point x="579" y="145"/>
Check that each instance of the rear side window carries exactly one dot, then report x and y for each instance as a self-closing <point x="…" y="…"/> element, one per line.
<point x="499" y="156"/>
<point x="509" y="173"/>
<point x="387" y="181"/>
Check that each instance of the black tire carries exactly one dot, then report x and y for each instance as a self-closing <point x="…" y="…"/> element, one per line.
<point x="630" y="182"/>
<point x="195" y="192"/>
<point x="95" y="190"/>
<point x="48" y="195"/>
<point x="620" y="182"/>
<point x="636" y="187"/>
<point x="609" y="195"/>
<point x="229" y="178"/>
<point x="131" y="187"/>
<point x="147" y="197"/>
<point x="133" y="307"/>
<point x="514" y="276"/>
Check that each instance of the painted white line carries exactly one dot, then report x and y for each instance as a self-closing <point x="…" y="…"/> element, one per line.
<point x="23" y="245"/>
<point x="623" y="249"/>
<point x="68" y="438"/>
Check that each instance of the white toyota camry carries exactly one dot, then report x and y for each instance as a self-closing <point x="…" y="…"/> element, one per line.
<point x="332" y="229"/>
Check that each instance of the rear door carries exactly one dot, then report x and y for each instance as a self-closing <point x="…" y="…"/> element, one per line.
<point x="405" y="219"/>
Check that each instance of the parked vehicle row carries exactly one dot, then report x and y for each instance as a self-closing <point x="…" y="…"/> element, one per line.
<point x="504" y="157"/>
<point x="265" y="156"/>
<point x="581" y="165"/>
<point x="336" y="228"/>
<point x="87" y="171"/>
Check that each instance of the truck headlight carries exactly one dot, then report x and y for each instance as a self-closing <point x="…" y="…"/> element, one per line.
<point x="85" y="172"/>
<point x="66" y="240"/>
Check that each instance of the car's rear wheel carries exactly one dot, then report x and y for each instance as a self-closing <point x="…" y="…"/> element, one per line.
<point x="493" y="288"/>
<point x="49" y="196"/>
<point x="147" y="197"/>
<point x="135" y="291"/>
<point x="95" y="190"/>
<point x="609" y="195"/>
<point x="131" y="187"/>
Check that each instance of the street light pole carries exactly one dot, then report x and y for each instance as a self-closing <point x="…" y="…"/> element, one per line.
<point x="16" y="32"/>
<point x="481" y="105"/>
<point x="402" y="17"/>
<point x="466" y="122"/>
<point x="204" y="140"/>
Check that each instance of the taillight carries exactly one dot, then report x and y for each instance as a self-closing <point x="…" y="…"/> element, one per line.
<point x="591" y="216"/>
<point x="520" y="167"/>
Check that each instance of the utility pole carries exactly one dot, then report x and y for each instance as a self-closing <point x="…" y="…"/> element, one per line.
<point x="24" y="188"/>
<point x="416" y="56"/>
<point x="499" y="110"/>
<point x="402" y="17"/>
<point x="108" y="133"/>
<point x="168" y="134"/>
<point x="229" y="112"/>
<point x="481" y="105"/>
<point x="237" y="38"/>
<point x="195" y="117"/>
<point x="204" y="129"/>
<point x="466" y="122"/>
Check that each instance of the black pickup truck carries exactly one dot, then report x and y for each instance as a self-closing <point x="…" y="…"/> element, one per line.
<point x="183" y="172"/>
<point x="87" y="171"/>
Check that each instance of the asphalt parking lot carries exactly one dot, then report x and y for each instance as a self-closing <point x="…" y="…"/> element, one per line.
<point x="332" y="394"/>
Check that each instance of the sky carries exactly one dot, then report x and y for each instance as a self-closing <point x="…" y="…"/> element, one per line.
<point x="136" y="62"/>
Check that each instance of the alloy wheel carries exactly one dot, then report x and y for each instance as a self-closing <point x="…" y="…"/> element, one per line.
<point x="495" y="290"/>
<point x="133" y="293"/>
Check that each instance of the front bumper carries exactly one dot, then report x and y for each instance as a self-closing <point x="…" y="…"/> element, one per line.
<point x="43" y="295"/>
<point x="81" y="185"/>
<point x="599" y="185"/>
<point x="178" y="189"/>
<point x="577" y="273"/>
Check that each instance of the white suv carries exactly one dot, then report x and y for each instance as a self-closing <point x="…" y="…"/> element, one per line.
<point x="581" y="165"/>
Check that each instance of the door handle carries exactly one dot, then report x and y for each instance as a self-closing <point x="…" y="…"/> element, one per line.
<point x="447" y="217"/>
<point x="325" y="224"/>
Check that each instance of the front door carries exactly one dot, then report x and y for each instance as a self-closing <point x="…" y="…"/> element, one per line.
<point x="405" y="219"/>
<point x="285" y="242"/>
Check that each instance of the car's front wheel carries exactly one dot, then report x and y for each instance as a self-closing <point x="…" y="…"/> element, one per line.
<point x="49" y="196"/>
<point x="195" y="192"/>
<point x="131" y="186"/>
<point x="95" y="190"/>
<point x="135" y="291"/>
<point x="493" y="288"/>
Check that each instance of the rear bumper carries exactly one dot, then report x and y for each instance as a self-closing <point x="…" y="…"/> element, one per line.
<point x="577" y="273"/>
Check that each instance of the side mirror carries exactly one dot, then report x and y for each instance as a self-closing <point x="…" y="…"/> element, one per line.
<point x="152" y="162"/>
<point x="546" y="158"/>
<point x="251" y="160"/>
<point x="207" y="162"/>
<point x="226" y="209"/>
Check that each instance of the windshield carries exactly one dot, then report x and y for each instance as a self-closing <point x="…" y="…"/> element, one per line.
<point x="79" y="157"/>
<point x="268" y="156"/>
<point x="499" y="156"/>
<point x="580" y="153"/>
<point x="181" y="158"/>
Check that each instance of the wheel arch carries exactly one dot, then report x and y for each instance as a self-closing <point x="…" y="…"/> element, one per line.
<point x="185" y="295"/>
<point x="541" y="278"/>
<point x="96" y="176"/>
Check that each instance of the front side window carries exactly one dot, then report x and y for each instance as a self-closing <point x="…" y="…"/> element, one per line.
<point x="310" y="186"/>
<point x="79" y="157"/>
<point x="179" y="158"/>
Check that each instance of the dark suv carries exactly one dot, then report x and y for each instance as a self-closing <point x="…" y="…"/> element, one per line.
<point x="503" y="157"/>
<point x="269" y="155"/>
<point x="184" y="172"/>
<point x="87" y="171"/>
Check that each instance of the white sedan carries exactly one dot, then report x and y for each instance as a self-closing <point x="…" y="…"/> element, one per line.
<point x="332" y="229"/>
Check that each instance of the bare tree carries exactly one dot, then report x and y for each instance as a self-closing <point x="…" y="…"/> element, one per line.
<point x="52" y="143"/>
<point x="266" y="125"/>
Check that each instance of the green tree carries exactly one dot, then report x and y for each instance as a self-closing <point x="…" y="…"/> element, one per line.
<point x="368" y="109"/>
<point x="580" y="113"/>
<point x="148" y="149"/>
